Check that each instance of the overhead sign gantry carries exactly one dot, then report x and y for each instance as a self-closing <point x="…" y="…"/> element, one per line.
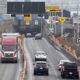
<point x="25" y="7"/>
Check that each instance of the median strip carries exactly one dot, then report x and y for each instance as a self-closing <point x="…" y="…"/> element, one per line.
<point x="23" y="74"/>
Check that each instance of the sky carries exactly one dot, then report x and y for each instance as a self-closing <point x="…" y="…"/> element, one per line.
<point x="54" y="1"/>
<point x="68" y="4"/>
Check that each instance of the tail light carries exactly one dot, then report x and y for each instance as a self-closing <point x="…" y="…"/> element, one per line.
<point x="63" y="68"/>
<point x="2" y="54"/>
<point x="15" y="51"/>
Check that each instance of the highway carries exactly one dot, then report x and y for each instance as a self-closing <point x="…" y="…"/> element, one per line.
<point x="54" y="56"/>
<point x="12" y="71"/>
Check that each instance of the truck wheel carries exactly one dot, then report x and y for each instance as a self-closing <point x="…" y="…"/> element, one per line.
<point x="34" y="73"/>
<point x="47" y="73"/>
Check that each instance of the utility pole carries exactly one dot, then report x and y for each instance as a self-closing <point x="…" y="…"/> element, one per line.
<point x="78" y="25"/>
<point x="62" y="23"/>
<point x="55" y="23"/>
<point x="51" y="19"/>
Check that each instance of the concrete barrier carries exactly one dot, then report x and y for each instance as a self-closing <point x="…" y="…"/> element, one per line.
<point x="68" y="49"/>
<point x="53" y="38"/>
<point x="23" y="74"/>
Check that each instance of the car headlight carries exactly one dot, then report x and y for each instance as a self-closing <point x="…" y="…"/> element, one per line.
<point x="2" y="55"/>
<point x="15" y="55"/>
<point x="59" y="66"/>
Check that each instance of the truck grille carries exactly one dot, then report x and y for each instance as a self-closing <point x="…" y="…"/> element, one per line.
<point x="8" y="55"/>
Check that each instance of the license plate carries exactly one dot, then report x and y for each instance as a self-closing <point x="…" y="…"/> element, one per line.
<point x="70" y="73"/>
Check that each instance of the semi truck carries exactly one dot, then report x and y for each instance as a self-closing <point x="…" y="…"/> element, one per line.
<point x="9" y="51"/>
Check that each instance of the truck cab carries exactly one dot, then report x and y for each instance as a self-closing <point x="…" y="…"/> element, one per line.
<point x="9" y="51"/>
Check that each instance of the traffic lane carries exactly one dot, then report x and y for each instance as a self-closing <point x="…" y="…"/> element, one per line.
<point x="32" y="46"/>
<point x="52" y="58"/>
<point x="9" y="71"/>
<point x="53" y="53"/>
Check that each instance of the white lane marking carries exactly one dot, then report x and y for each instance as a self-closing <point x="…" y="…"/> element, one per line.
<point x="29" y="63"/>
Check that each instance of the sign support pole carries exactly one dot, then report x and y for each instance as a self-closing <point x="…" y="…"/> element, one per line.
<point x="55" y="23"/>
<point x="62" y="23"/>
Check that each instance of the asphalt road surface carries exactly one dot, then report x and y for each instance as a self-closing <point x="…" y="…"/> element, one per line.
<point x="8" y="71"/>
<point x="54" y="56"/>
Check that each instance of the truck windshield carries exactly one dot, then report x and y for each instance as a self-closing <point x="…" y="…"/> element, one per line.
<point x="9" y="47"/>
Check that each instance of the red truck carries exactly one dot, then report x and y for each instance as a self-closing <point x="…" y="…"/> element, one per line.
<point x="9" y="50"/>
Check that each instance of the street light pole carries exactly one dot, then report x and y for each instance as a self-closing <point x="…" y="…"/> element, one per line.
<point x="51" y="19"/>
<point x="55" y="23"/>
<point x="78" y="26"/>
<point x="62" y="23"/>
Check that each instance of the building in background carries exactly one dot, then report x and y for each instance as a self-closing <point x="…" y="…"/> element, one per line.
<point x="3" y="7"/>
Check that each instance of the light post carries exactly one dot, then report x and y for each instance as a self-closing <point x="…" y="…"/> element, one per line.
<point x="51" y="19"/>
<point x="78" y="27"/>
<point x="62" y="23"/>
<point x="55" y="23"/>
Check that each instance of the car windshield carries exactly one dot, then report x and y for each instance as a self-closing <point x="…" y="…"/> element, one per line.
<point x="41" y="64"/>
<point x="70" y="65"/>
<point x="41" y="53"/>
<point x="9" y="47"/>
<point x="63" y="61"/>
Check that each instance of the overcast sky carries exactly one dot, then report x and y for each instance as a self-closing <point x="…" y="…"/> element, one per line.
<point x="68" y="4"/>
<point x="54" y="1"/>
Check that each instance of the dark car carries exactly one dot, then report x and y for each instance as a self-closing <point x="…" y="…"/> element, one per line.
<point x="38" y="36"/>
<point x="29" y="35"/>
<point x="69" y="70"/>
<point x="41" y="68"/>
